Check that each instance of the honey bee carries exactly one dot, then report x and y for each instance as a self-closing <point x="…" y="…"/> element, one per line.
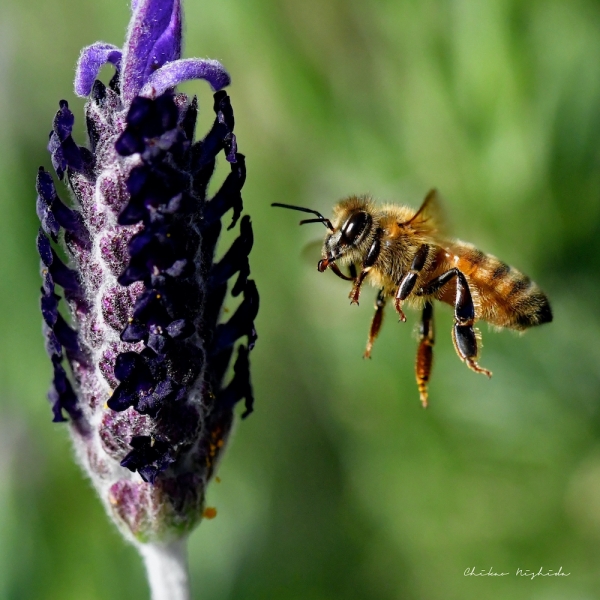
<point x="403" y="253"/>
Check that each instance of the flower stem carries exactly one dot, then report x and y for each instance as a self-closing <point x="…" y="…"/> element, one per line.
<point x="166" y="565"/>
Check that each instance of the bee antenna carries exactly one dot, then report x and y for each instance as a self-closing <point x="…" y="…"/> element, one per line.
<point x="321" y="218"/>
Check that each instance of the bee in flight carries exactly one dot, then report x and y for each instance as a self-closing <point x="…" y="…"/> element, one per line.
<point x="403" y="253"/>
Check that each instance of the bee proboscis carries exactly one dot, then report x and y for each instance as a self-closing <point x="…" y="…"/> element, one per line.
<point x="401" y="251"/>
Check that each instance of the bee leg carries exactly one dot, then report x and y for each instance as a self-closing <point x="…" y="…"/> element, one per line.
<point x="410" y="279"/>
<point x="425" y="352"/>
<point x="337" y="271"/>
<point x="355" y="292"/>
<point x="465" y="344"/>
<point x="463" y="334"/>
<point x="368" y="263"/>
<point x="375" y="323"/>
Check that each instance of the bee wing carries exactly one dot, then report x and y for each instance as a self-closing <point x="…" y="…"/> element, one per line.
<point x="311" y="252"/>
<point x="431" y="215"/>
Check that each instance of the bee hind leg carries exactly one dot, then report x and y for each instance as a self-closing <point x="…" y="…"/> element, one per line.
<point x="425" y="352"/>
<point x="465" y="344"/>
<point x="463" y="333"/>
<point x="376" y="322"/>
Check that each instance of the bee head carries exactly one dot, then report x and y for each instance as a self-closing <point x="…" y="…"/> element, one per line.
<point x="346" y="235"/>
<point x="354" y="227"/>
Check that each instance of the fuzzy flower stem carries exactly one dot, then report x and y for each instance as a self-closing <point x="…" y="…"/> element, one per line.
<point x="166" y="565"/>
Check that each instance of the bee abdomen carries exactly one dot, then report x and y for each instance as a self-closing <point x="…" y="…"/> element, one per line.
<point x="519" y="302"/>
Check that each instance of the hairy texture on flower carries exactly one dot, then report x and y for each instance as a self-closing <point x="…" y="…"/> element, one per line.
<point x="141" y="369"/>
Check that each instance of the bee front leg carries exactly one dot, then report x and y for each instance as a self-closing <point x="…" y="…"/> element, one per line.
<point x="410" y="279"/>
<point x="425" y="352"/>
<point x="463" y="334"/>
<point x="376" y="322"/>
<point x="368" y="263"/>
<point x="355" y="291"/>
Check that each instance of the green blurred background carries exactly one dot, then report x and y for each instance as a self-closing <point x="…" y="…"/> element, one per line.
<point x="340" y="485"/>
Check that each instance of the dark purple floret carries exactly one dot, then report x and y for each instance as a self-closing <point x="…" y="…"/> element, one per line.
<point x="241" y="323"/>
<point x="228" y="197"/>
<point x="147" y="119"/>
<point x="63" y="149"/>
<point x="239" y="388"/>
<point x="60" y="273"/>
<point x="149" y="457"/>
<point x="54" y="214"/>
<point x="61" y="396"/>
<point x="235" y="260"/>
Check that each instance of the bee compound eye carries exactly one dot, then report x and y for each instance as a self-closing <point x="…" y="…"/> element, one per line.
<point x="354" y="226"/>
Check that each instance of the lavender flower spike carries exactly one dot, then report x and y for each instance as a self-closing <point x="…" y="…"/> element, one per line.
<point x="141" y="370"/>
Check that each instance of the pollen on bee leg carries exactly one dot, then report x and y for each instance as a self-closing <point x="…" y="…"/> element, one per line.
<point x="375" y="323"/>
<point x="423" y="369"/>
<point x="424" y="362"/>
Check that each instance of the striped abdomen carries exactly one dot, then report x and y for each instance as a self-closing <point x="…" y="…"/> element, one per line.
<point x="503" y="296"/>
